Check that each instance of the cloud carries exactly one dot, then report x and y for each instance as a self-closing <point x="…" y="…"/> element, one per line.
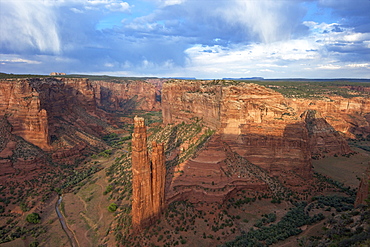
<point x="118" y="6"/>
<point x="28" y="26"/>
<point x="224" y="38"/>
<point x="354" y="13"/>
<point x="164" y="3"/>
<point x="112" y="5"/>
<point x="270" y="21"/>
<point x="6" y="59"/>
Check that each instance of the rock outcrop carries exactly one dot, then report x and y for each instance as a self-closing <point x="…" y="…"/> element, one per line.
<point x="57" y="73"/>
<point x="363" y="192"/>
<point x="148" y="178"/>
<point x="323" y="138"/>
<point x="17" y="155"/>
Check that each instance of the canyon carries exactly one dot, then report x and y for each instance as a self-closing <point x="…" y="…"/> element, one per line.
<point x="220" y="143"/>
<point x="64" y="116"/>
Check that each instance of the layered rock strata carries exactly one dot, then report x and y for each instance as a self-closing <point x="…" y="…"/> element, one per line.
<point x="349" y="116"/>
<point x="277" y="134"/>
<point x="126" y="96"/>
<point x="323" y="138"/>
<point x="58" y="115"/>
<point x="17" y="155"/>
<point x="148" y="180"/>
<point x="20" y="104"/>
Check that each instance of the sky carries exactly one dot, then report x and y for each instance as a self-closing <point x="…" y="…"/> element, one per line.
<point x="187" y="38"/>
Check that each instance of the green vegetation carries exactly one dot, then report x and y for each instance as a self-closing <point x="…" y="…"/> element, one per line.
<point x="315" y="88"/>
<point x="340" y="186"/>
<point x="112" y="207"/>
<point x="303" y="88"/>
<point x="115" y="141"/>
<point x="33" y="218"/>
<point x="340" y="203"/>
<point x="346" y="229"/>
<point x="288" y="226"/>
<point x="105" y="153"/>
<point x="34" y="244"/>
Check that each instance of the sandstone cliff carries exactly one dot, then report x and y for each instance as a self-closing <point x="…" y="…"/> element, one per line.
<point x="125" y="96"/>
<point x="58" y="115"/>
<point x="349" y="116"/>
<point x="17" y="156"/>
<point x="21" y="105"/>
<point x="277" y="134"/>
<point x="148" y="178"/>
<point x="323" y="138"/>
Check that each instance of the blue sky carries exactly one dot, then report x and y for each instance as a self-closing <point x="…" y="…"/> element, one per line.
<point x="192" y="38"/>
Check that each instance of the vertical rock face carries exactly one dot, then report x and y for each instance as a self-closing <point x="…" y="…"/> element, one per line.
<point x="363" y="190"/>
<point x="20" y="103"/>
<point x="125" y="96"/>
<point x="148" y="178"/>
<point x="254" y="121"/>
<point x="184" y="100"/>
<point x="323" y="138"/>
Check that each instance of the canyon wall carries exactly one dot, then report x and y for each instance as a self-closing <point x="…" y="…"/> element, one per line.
<point x="184" y="100"/>
<point x="349" y="116"/>
<point x="57" y="115"/>
<point x="20" y="104"/>
<point x="148" y="178"/>
<point x="277" y="134"/>
<point x="67" y="116"/>
<point x="124" y="96"/>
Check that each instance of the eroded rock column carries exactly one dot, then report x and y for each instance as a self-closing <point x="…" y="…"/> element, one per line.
<point x="148" y="178"/>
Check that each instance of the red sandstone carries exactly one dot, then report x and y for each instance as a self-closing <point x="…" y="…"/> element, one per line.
<point x="148" y="178"/>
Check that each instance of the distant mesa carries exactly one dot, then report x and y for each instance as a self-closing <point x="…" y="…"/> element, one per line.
<point x="180" y="78"/>
<point x="245" y="79"/>
<point x="57" y="73"/>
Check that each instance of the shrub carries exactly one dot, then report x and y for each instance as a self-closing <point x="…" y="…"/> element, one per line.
<point x="34" y="244"/>
<point x="33" y="218"/>
<point x="112" y="207"/>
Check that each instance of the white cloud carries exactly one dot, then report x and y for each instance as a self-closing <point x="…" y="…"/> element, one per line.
<point x="28" y="25"/>
<point x="6" y="59"/>
<point x="270" y="20"/>
<point x="118" y="6"/>
<point x="77" y="11"/>
<point x="164" y="3"/>
<point x="329" y="66"/>
<point x="359" y="65"/>
<point x="305" y="57"/>
<point x="356" y="37"/>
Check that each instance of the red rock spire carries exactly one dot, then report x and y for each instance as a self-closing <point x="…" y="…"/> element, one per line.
<point x="148" y="178"/>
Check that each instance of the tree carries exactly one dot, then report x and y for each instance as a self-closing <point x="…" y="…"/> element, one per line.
<point x="34" y="244"/>
<point x="33" y="218"/>
<point x="112" y="207"/>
